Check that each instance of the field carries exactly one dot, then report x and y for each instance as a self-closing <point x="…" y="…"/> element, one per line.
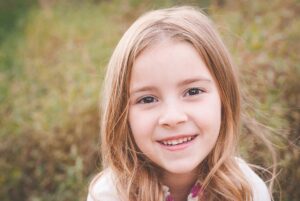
<point x="53" y="56"/>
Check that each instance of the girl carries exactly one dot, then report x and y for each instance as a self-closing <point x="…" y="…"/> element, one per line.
<point x="171" y="115"/>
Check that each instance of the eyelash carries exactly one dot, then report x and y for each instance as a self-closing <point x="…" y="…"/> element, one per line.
<point x="145" y="99"/>
<point x="198" y="91"/>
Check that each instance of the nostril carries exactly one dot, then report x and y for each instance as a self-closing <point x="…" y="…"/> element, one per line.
<point x="172" y="119"/>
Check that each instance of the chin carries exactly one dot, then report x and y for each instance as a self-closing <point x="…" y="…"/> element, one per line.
<point x="181" y="169"/>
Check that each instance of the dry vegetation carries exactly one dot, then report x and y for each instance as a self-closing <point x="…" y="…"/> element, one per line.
<point x="52" y="59"/>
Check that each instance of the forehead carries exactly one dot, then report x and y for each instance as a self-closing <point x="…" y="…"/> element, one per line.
<point x="168" y="64"/>
<point x="168" y="60"/>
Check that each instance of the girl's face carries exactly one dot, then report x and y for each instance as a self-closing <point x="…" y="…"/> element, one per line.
<point x="175" y="108"/>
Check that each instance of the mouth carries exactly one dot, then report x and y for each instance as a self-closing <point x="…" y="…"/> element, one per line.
<point x="177" y="140"/>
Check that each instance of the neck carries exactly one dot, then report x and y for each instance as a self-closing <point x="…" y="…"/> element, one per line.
<point x="179" y="184"/>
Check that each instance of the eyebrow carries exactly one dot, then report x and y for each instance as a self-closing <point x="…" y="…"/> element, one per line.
<point x="146" y="88"/>
<point x="182" y="83"/>
<point x="192" y="80"/>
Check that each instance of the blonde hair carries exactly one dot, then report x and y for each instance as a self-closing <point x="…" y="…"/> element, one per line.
<point x="137" y="178"/>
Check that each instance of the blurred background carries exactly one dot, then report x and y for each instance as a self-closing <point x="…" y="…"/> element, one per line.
<point x="53" y="55"/>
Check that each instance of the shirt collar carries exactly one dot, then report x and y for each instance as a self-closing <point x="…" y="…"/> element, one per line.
<point x="195" y="191"/>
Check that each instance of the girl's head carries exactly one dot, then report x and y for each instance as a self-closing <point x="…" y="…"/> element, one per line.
<point x="176" y="25"/>
<point x="132" y="102"/>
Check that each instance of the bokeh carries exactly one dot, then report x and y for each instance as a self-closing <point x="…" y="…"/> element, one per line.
<point x="53" y="55"/>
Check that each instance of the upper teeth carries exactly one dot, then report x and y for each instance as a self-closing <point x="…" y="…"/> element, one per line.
<point x="177" y="141"/>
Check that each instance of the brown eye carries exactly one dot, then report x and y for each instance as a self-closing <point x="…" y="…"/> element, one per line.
<point x="193" y="92"/>
<point x="147" y="100"/>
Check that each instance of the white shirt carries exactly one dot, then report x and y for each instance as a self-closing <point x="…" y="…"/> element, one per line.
<point x="103" y="187"/>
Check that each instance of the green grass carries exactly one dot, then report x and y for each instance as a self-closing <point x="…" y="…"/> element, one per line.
<point x="52" y="61"/>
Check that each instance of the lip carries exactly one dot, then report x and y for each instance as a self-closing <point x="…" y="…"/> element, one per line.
<point x="177" y="147"/>
<point x="176" y="137"/>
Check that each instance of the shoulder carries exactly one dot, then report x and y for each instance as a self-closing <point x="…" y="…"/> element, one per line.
<point x="260" y="190"/>
<point x="103" y="187"/>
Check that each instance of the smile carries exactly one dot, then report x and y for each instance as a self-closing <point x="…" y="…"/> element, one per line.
<point x="177" y="140"/>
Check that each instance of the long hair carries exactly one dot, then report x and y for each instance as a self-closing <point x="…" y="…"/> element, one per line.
<point x="138" y="179"/>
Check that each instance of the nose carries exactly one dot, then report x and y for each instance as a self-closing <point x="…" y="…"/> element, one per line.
<point x="172" y="115"/>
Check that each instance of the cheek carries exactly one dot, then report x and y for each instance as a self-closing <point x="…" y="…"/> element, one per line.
<point x="208" y="117"/>
<point x="141" y="123"/>
<point x="133" y="123"/>
<point x="216" y="117"/>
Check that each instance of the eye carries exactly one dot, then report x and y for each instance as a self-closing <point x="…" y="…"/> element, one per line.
<point x="193" y="92"/>
<point x="147" y="100"/>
